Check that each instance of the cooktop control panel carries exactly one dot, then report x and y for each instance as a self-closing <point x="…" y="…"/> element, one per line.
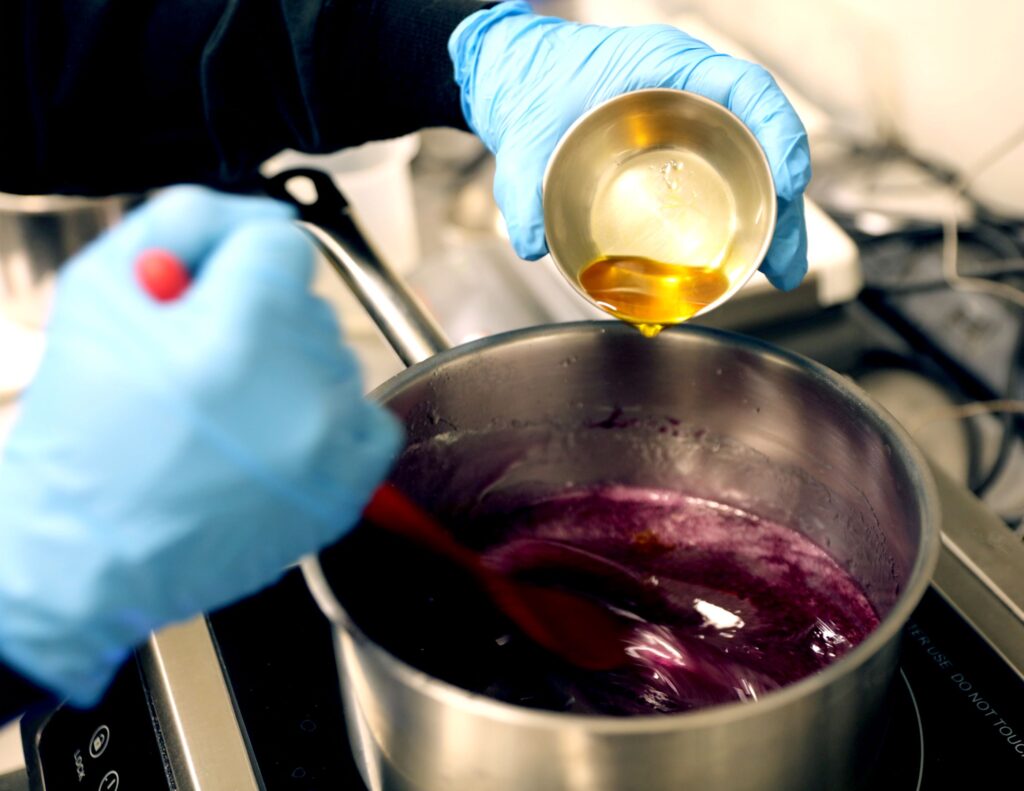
<point x="113" y="747"/>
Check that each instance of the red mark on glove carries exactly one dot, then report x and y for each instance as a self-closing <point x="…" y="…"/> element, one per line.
<point x="162" y="275"/>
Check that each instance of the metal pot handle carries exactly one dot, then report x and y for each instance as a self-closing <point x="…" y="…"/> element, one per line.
<point x="401" y="317"/>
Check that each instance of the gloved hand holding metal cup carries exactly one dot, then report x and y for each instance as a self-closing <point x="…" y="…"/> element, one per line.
<point x="527" y="79"/>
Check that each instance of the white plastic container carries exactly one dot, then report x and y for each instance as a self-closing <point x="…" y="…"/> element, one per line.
<point x="376" y="179"/>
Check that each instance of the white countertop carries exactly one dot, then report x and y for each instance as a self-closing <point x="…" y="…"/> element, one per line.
<point x="11" y="756"/>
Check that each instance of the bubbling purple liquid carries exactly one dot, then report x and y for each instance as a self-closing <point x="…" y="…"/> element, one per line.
<point x="738" y="606"/>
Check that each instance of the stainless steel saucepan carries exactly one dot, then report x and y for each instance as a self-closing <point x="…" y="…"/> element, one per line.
<point x="529" y="411"/>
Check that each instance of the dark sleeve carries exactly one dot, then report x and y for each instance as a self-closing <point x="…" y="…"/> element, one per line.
<point x="18" y="694"/>
<point x="104" y="96"/>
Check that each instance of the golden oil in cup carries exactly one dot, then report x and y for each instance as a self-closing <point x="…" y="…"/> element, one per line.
<point x="667" y="221"/>
<point x="651" y="294"/>
<point x="659" y="205"/>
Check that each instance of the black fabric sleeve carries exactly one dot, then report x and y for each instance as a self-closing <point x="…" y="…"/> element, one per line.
<point x="18" y="694"/>
<point x="104" y="96"/>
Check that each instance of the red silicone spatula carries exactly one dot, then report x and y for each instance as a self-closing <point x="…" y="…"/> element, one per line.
<point x="573" y="627"/>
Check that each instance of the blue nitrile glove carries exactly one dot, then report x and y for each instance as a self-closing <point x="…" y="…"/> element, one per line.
<point x="170" y="458"/>
<point x="526" y="78"/>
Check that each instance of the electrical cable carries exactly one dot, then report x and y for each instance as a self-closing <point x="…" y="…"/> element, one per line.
<point x="1013" y="424"/>
<point x="1003" y="237"/>
<point x="970" y="409"/>
<point x="882" y="359"/>
<point x="950" y="229"/>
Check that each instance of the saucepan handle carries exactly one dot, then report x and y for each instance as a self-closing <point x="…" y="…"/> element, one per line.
<point x="401" y="317"/>
<point x="397" y="312"/>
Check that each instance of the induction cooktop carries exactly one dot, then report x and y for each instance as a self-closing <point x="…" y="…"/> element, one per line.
<point x="264" y="711"/>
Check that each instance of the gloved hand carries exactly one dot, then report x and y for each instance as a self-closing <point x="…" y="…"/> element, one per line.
<point x="525" y="79"/>
<point x="170" y="458"/>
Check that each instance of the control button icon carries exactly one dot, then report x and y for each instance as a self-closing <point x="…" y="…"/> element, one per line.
<point x="98" y="742"/>
<point x="110" y="781"/>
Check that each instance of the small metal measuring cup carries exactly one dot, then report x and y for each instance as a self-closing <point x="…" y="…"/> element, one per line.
<point x="661" y="175"/>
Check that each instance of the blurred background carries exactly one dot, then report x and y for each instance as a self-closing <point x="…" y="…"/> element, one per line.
<point x="915" y="215"/>
<point x="935" y="78"/>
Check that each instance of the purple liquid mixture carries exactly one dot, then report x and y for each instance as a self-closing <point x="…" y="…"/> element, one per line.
<point x="738" y="606"/>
